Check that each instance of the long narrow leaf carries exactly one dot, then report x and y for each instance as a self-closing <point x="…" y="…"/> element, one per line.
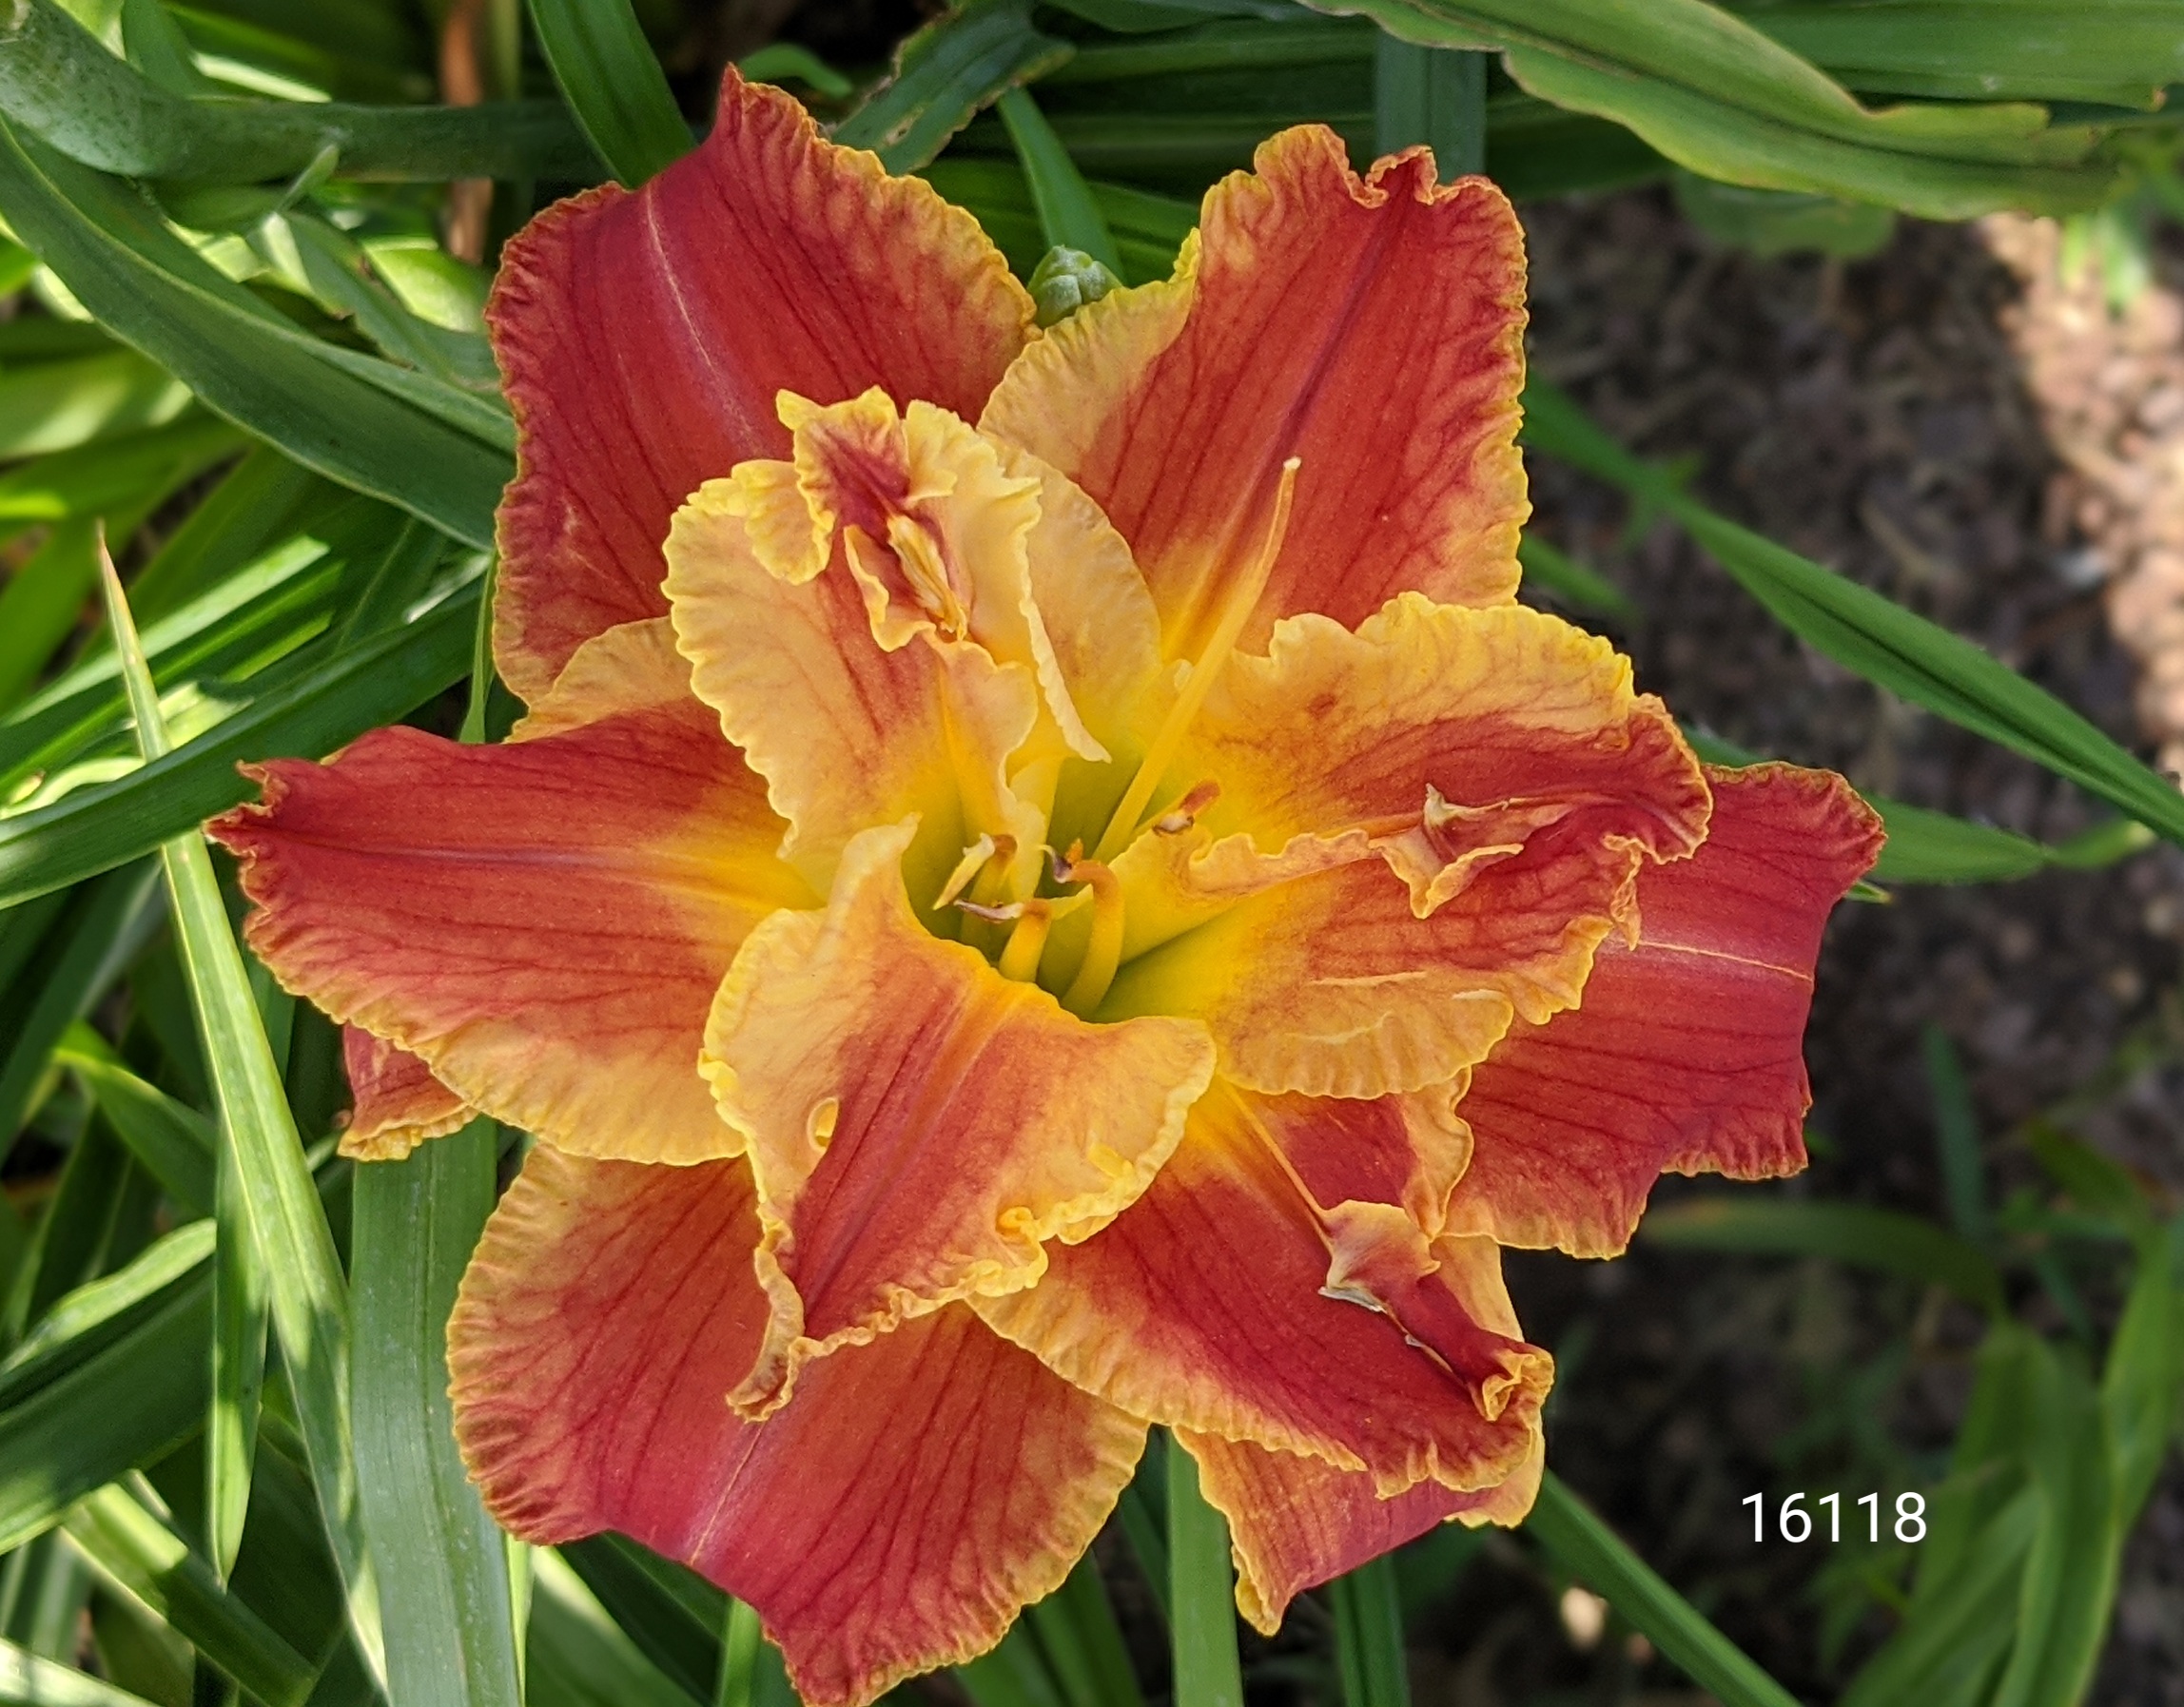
<point x="356" y="420"/>
<point x="1369" y="1636"/>
<point x="946" y="72"/>
<point x="613" y="84"/>
<point x="101" y="1312"/>
<point x="174" y="1142"/>
<point x="1586" y="1547"/>
<point x="1880" y="640"/>
<point x="58" y="83"/>
<point x="309" y="1304"/>
<point x="442" y="1572"/>
<point x="241" y="1306"/>
<point x="135" y="1550"/>
<point x="28" y="1680"/>
<point x="1850" y="1232"/>
<point x="1201" y="1599"/>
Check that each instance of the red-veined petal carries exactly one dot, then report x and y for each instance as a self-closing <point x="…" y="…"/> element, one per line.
<point x="398" y="1102"/>
<point x="644" y="336"/>
<point x="895" y="1516"/>
<point x="1372" y="328"/>
<point x="919" y="1124"/>
<point x="1686" y="1054"/>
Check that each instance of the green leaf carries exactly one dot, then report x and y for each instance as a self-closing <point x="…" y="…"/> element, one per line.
<point x="673" y="1614"/>
<point x="1848" y="1232"/>
<point x="308" y="715"/>
<point x="1068" y="212"/>
<point x="1571" y="581"/>
<point x="1431" y="95"/>
<point x="174" y="1142"/>
<point x="241" y="1306"/>
<point x="437" y="451"/>
<point x="75" y="1238"/>
<point x="781" y="62"/>
<point x="2117" y="53"/>
<point x="135" y="1550"/>
<point x="79" y="960"/>
<point x="1880" y="640"/>
<point x="2071" y="1570"/>
<point x="1586" y="1548"/>
<point x="1767" y="222"/>
<point x="442" y="1572"/>
<point x="42" y="601"/>
<point x="1960" y="1629"/>
<point x="1369" y="1636"/>
<point x="1013" y="1673"/>
<point x="2139" y="1384"/>
<point x="1957" y="1137"/>
<point x="53" y="406"/>
<point x="136" y="1399"/>
<point x="26" y="1680"/>
<point x="613" y="84"/>
<point x="57" y="83"/>
<point x="1714" y="95"/>
<point x="99" y="1312"/>
<point x="946" y="72"/>
<point x="105" y="474"/>
<point x="752" y="1674"/>
<point x="578" y="1656"/>
<point x="1201" y="1597"/>
<point x="1076" y="1629"/>
<point x="309" y="1303"/>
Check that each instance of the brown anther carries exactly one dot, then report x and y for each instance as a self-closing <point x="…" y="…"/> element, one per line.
<point x="1184" y="813"/>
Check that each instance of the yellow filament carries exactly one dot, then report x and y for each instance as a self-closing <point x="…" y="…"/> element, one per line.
<point x="1104" y="951"/>
<point x="1242" y="601"/>
<point x="1026" y="942"/>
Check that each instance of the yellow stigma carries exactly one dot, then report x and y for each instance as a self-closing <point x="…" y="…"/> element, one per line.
<point x="1242" y="600"/>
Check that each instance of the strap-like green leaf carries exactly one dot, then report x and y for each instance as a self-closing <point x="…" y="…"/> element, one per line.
<point x="141" y="1554"/>
<point x="1202" y="1596"/>
<point x="92" y="1317"/>
<point x="945" y="74"/>
<point x="59" y="84"/>
<point x="1850" y="1232"/>
<point x="1879" y="639"/>
<point x="441" y="1570"/>
<point x="135" y="1400"/>
<point x="612" y="84"/>
<point x="309" y="715"/>
<point x="1369" y="1636"/>
<point x="1586" y="1548"/>
<point x="28" y="1680"/>
<point x="360" y="420"/>
<point x="173" y="1141"/>
<point x="579" y="1657"/>
<point x="309" y="1301"/>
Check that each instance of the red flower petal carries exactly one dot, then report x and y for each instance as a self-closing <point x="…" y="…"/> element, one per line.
<point x="1372" y="328"/>
<point x="1686" y="1054"/>
<point x="398" y="1102"/>
<point x="914" y="1495"/>
<point x="644" y="336"/>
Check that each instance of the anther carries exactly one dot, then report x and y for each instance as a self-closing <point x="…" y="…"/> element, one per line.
<point x="1184" y="813"/>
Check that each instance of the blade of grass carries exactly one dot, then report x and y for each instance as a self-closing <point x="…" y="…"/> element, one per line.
<point x="1076" y="1626"/>
<point x="750" y="1669"/>
<point x="441" y="1569"/>
<point x="100" y="1312"/>
<point x="945" y="74"/>
<point x="1013" y="1673"/>
<point x="1068" y="212"/>
<point x="174" y="1142"/>
<point x="612" y="84"/>
<point x="240" y="1304"/>
<point x="1957" y="1137"/>
<point x="135" y="1400"/>
<point x="1202" y="1593"/>
<point x="1849" y="1232"/>
<point x="129" y="1545"/>
<point x="309" y="1304"/>
<point x="1586" y="1548"/>
<point x="579" y="1657"/>
<point x="674" y="1616"/>
<point x="28" y="1680"/>
<point x="1880" y="640"/>
<point x="1369" y="1636"/>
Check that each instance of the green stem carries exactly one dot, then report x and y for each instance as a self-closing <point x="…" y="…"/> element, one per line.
<point x="1202" y="1592"/>
<point x="1369" y="1636"/>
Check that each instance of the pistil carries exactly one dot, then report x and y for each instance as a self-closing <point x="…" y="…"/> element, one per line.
<point x="1242" y="600"/>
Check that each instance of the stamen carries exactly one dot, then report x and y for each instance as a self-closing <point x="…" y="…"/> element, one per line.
<point x="1242" y="601"/>
<point x="1027" y="942"/>
<point x="1184" y="813"/>
<point x="1103" y="950"/>
<point x="924" y="566"/>
<point x="985" y="851"/>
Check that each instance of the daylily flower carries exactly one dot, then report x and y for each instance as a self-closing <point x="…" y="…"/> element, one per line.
<point x="1047" y="886"/>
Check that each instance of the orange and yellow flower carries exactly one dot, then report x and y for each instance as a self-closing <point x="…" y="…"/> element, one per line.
<point x="1047" y="886"/>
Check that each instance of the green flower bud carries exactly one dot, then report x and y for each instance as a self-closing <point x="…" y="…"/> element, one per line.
<point x="1066" y="282"/>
